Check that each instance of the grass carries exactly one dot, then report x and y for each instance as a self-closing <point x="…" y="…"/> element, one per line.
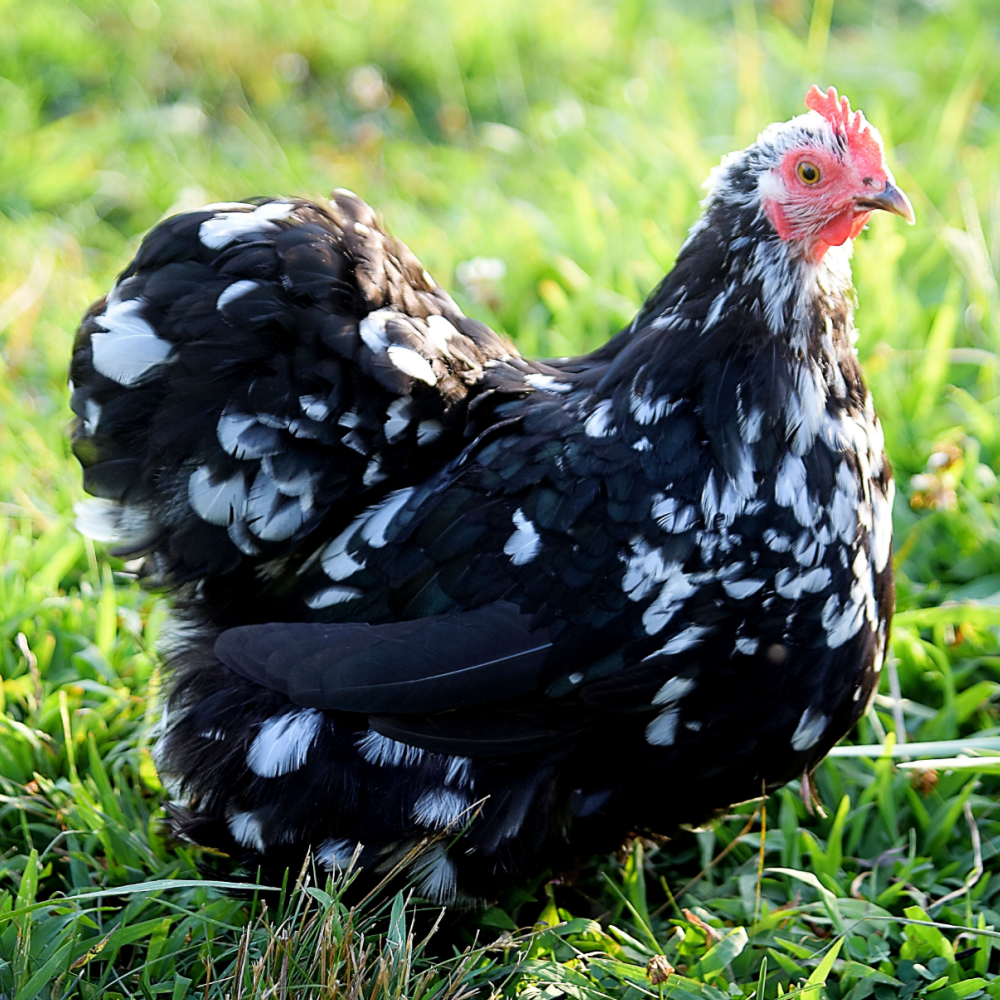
<point x="567" y="140"/>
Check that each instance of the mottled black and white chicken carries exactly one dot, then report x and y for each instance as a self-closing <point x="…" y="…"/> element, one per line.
<point x="600" y="594"/>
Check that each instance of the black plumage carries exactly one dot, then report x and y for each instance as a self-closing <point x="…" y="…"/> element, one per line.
<point x="600" y="594"/>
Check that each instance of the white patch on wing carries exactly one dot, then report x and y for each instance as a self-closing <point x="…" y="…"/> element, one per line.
<point x="217" y="502"/>
<point x="246" y="830"/>
<point x="439" y="808"/>
<point x="747" y="646"/>
<point x="524" y="543"/>
<point x="811" y="727"/>
<point x="384" y="752"/>
<point x="234" y="291"/>
<point x="675" y="689"/>
<point x="227" y="227"/>
<point x="662" y="731"/>
<point x="282" y="743"/>
<point x="598" y="424"/>
<point x="129" y="347"/>
<point x="411" y="363"/>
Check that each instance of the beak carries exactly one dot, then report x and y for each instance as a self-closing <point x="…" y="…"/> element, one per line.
<point x="890" y="200"/>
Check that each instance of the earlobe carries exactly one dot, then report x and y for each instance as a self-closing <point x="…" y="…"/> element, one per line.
<point x="778" y="219"/>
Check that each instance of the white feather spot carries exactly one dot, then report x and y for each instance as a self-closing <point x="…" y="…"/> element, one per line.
<point x="428" y="431"/>
<point x="129" y="347"/>
<point x="271" y="513"/>
<point x="440" y="332"/>
<point x="523" y="545"/>
<point x="436" y="874"/>
<point x="282" y="743"/>
<point x="811" y="727"/>
<point x="244" y="436"/>
<point x="681" y="642"/>
<point x="458" y="771"/>
<point x="337" y="562"/>
<point x="598" y="424"/>
<point x="674" y="516"/>
<point x="246" y="830"/>
<point x="384" y="752"/>
<point x="793" y="587"/>
<point x="411" y="363"/>
<point x="398" y="419"/>
<point x="314" y="407"/>
<point x="234" y="291"/>
<point x="675" y="689"/>
<point x="378" y="519"/>
<point x="547" y="383"/>
<point x="92" y="417"/>
<point x="337" y="855"/>
<point x="776" y="541"/>
<point x="439" y="808"/>
<point x="217" y="502"/>
<point x="372" y="330"/>
<point x="674" y="592"/>
<point x="647" y="410"/>
<point x="227" y="227"/>
<point x="882" y="525"/>
<point x="739" y="590"/>
<point x="104" y="521"/>
<point x="662" y="731"/>
<point x="747" y="646"/>
<point x="374" y="473"/>
<point x="329" y="596"/>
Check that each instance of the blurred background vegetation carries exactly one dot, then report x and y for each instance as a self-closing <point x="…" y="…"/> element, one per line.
<point x="544" y="159"/>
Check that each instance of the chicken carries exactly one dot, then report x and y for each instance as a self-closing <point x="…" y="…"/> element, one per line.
<point x="430" y="585"/>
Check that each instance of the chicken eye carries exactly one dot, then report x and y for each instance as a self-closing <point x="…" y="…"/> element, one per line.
<point x="808" y="172"/>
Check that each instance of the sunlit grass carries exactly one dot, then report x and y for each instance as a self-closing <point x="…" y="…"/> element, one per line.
<point x="569" y="141"/>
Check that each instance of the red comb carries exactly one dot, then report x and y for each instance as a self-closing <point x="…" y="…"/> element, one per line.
<point x="862" y="140"/>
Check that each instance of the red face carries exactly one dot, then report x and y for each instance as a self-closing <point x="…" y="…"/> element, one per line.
<point x="824" y="199"/>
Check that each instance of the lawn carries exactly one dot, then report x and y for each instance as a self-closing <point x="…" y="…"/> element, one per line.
<point x="564" y="142"/>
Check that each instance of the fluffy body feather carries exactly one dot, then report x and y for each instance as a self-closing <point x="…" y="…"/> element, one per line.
<point x="609" y="593"/>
